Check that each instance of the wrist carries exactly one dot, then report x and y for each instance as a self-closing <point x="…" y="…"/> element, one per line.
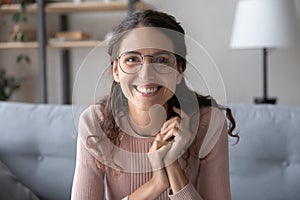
<point x="160" y="180"/>
<point x="177" y="177"/>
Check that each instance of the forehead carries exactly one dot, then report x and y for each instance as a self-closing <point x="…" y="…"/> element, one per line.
<point x="146" y="38"/>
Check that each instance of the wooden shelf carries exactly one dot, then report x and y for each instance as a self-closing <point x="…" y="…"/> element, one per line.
<point x="15" y="8"/>
<point x="19" y="45"/>
<point x="75" y="44"/>
<point x="71" y="7"/>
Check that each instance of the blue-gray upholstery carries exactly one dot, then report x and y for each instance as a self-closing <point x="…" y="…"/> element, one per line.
<point x="265" y="164"/>
<point x="38" y="142"/>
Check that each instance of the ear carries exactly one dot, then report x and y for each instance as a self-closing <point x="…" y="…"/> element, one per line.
<point x="115" y="71"/>
<point x="179" y="75"/>
<point x="179" y="78"/>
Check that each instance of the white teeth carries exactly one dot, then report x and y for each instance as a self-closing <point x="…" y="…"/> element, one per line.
<point x="146" y="90"/>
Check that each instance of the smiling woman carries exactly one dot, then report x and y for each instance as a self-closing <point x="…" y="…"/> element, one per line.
<point x="152" y="137"/>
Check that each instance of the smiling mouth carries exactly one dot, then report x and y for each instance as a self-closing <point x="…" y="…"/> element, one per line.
<point x="149" y="90"/>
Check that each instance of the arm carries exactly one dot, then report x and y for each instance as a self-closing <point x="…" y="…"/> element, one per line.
<point x="181" y="187"/>
<point x="88" y="182"/>
<point x="213" y="178"/>
<point x="88" y="179"/>
<point x="177" y="177"/>
<point x="214" y="181"/>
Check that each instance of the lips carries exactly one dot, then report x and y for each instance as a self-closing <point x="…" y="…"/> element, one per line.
<point x="147" y="90"/>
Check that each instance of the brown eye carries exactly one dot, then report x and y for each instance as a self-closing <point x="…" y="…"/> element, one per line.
<point x="161" y="60"/>
<point x="133" y="59"/>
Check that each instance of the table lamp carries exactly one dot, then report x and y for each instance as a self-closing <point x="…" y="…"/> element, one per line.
<point x="264" y="24"/>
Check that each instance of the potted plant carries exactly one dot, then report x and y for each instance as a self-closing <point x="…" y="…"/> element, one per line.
<point x="18" y="34"/>
<point x="8" y="84"/>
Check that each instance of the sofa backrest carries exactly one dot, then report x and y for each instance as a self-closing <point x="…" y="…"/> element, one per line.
<point x="265" y="164"/>
<point x="38" y="144"/>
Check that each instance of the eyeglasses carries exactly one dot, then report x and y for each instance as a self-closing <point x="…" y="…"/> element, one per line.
<point x="132" y="62"/>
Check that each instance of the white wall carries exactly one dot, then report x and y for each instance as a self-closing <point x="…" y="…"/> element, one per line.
<point x="209" y="23"/>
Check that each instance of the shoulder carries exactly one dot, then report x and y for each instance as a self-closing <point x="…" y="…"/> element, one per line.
<point x="89" y="122"/>
<point x="212" y="123"/>
<point x="210" y="114"/>
<point x="91" y="114"/>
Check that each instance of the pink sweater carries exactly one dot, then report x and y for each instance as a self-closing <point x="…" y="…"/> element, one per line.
<point x="208" y="172"/>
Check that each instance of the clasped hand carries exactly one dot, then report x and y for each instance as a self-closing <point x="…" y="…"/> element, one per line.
<point x="172" y="141"/>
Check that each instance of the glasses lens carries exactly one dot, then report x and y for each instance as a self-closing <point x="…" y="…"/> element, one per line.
<point x="164" y="62"/>
<point x="130" y="62"/>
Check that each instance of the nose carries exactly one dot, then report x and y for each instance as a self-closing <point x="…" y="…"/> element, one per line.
<point x="147" y="71"/>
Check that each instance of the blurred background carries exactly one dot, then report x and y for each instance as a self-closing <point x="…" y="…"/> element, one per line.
<point x="209" y="23"/>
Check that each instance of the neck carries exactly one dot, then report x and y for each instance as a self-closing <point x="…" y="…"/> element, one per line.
<point x="147" y="122"/>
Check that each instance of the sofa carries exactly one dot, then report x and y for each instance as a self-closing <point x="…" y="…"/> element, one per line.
<point x="38" y="148"/>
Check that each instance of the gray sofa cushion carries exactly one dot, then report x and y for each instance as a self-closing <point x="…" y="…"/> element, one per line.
<point x="38" y="143"/>
<point x="265" y="164"/>
<point x="11" y="188"/>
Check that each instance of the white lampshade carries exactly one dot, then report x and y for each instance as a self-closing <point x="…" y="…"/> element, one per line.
<point x="264" y="24"/>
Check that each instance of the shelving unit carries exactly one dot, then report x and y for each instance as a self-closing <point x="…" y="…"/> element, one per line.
<point x="42" y="9"/>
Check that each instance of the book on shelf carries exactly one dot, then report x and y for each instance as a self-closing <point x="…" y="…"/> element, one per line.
<point x="72" y="35"/>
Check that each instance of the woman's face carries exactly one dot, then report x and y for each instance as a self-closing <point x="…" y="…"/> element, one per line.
<point x="154" y="81"/>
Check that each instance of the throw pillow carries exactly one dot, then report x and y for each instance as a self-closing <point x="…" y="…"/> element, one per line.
<point x="11" y="188"/>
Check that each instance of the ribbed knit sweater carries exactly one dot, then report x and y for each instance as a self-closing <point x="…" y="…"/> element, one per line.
<point x="206" y="166"/>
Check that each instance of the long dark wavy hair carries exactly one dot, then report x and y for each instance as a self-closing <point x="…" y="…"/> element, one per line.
<point x="152" y="18"/>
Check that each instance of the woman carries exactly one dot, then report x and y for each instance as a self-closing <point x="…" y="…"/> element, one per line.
<point x="152" y="137"/>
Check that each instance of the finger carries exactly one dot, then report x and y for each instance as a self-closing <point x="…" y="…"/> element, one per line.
<point x="170" y="135"/>
<point x="180" y="112"/>
<point x="170" y="127"/>
<point x="185" y="119"/>
<point x="161" y="143"/>
<point x="177" y="110"/>
<point x="153" y="147"/>
<point x="158" y="143"/>
<point x="158" y="137"/>
<point x="171" y="123"/>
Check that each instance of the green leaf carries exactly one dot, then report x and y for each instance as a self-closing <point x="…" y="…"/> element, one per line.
<point x="23" y="17"/>
<point x="23" y="6"/>
<point x="27" y="59"/>
<point x="16" y="17"/>
<point x="19" y="58"/>
<point x="23" y="38"/>
<point x="7" y="92"/>
<point x="22" y="57"/>
<point x="15" y="38"/>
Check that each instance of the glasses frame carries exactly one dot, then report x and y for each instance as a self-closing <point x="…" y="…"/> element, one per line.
<point x="143" y="59"/>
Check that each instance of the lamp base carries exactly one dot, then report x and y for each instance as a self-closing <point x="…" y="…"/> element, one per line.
<point x="265" y="100"/>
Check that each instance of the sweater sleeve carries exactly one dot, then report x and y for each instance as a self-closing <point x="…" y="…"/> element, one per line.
<point x="213" y="180"/>
<point x="189" y="192"/>
<point x="88" y="182"/>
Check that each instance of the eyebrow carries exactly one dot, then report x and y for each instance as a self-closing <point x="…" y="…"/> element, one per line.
<point x="158" y="52"/>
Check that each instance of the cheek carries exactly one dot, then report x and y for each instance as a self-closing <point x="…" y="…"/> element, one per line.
<point x="170" y="82"/>
<point x="126" y="85"/>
